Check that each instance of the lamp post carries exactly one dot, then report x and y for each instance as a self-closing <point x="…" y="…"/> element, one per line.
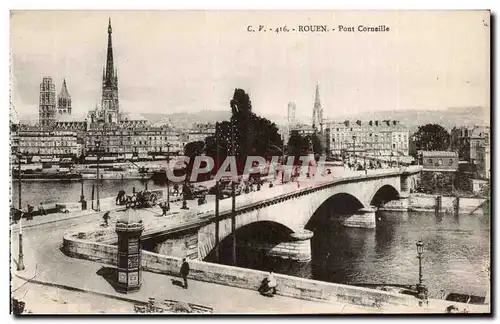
<point x="233" y="195"/>
<point x="97" y="148"/>
<point x="354" y="148"/>
<point x="421" y="289"/>
<point x="20" y="263"/>
<point x="217" y="255"/>
<point x="168" y="181"/>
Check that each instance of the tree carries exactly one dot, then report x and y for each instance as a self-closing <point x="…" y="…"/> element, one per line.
<point x="431" y="137"/>
<point x="193" y="149"/>
<point x="299" y="145"/>
<point x="253" y="135"/>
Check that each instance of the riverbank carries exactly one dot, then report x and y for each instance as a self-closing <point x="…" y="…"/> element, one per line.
<point x="437" y="203"/>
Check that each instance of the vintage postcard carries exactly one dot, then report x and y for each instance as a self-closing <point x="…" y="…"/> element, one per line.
<point x="256" y="162"/>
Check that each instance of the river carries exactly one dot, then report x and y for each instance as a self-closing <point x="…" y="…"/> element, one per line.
<point x="455" y="259"/>
<point x="34" y="192"/>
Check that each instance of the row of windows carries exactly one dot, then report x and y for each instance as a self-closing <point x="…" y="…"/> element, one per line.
<point x="439" y="162"/>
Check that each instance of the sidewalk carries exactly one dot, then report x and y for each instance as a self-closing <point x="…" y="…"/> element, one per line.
<point x="83" y="276"/>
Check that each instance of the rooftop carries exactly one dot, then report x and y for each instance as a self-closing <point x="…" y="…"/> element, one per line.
<point x="439" y="154"/>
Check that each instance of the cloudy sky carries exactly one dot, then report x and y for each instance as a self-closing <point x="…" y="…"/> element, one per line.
<point x="176" y="61"/>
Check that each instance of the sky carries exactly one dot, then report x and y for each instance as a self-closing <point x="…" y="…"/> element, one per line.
<point x="191" y="61"/>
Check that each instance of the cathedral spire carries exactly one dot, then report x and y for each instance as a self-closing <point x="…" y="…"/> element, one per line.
<point x="109" y="59"/>
<point x="64" y="90"/>
<point x="317" y="110"/>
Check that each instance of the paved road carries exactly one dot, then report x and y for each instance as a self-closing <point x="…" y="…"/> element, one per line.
<point x="41" y="248"/>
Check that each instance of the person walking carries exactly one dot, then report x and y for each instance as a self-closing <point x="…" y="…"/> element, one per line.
<point x="184" y="272"/>
<point x="106" y="218"/>
<point x="164" y="209"/>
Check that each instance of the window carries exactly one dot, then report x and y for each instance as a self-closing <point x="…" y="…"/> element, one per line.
<point x="450" y="162"/>
<point x="429" y="161"/>
<point x="440" y="162"/>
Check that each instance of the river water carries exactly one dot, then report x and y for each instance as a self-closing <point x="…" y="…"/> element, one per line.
<point x="456" y="253"/>
<point x="34" y="192"/>
<point x="456" y="250"/>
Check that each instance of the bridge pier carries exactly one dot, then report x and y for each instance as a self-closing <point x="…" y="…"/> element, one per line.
<point x="400" y="204"/>
<point x="297" y="248"/>
<point x="363" y="218"/>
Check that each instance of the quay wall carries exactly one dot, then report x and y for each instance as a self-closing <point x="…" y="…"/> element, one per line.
<point x="448" y="204"/>
<point x="75" y="245"/>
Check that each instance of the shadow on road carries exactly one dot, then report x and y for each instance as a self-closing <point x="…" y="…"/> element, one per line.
<point x="110" y="275"/>
<point x="177" y="283"/>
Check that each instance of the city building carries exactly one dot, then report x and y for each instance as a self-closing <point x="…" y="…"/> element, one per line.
<point x="467" y="139"/>
<point x="302" y="129"/>
<point x="35" y="143"/>
<point x="373" y="138"/>
<point x="442" y="161"/>
<point x="483" y="159"/>
<point x="47" y="103"/>
<point x="198" y="132"/>
<point x="118" y="142"/>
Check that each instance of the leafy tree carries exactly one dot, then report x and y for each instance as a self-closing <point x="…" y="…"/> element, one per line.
<point x="299" y="145"/>
<point x="253" y="135"/>
<point x="431" y="137"/>
<point x="193" y="149"/>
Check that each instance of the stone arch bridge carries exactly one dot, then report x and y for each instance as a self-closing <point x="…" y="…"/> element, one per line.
<point x="293" y="210"/>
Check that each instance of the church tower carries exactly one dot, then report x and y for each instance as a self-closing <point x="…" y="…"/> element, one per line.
<point x="317" y="111"/>
<point x="64" y="101"/>
<point x="109" y="100"/>
<point x="47" y="103"/>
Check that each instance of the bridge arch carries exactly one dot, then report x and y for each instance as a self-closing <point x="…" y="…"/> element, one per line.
<point x="383" y="194"/>
<point x="341" y="203"/>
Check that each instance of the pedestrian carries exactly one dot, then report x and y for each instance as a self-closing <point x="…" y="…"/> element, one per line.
<point x="30" y="212"/>
<point x="271" y="282"/>
<point x="41" y="210"/>
<point x="184" y="272"/>
<point x="164" y="209"/>
<point x="106" y="218"/>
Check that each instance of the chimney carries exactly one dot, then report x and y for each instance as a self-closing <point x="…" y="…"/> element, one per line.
<point x="376" y="123"/>
<point x="358" y="122"/>
<point x="346" y="123"/>
<point x="370" y="123"/>
<point x="394" y="122"/>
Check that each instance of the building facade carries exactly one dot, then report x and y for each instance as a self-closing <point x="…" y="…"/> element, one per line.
<point x="198" y="132"/>
<point x="47" y="103"/>
<point x="439" y="161"/>
<point x="125" y="143"/>
<point x="49" y="143"/>
<point x="373" y="138"/>
<point x="466" y="140"/>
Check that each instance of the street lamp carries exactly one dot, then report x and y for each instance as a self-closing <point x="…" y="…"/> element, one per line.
<point x="168" y="181"/>
<point x="421" y="289"/>
<point x="354" y="148"/>
<point x="97" y="148"/>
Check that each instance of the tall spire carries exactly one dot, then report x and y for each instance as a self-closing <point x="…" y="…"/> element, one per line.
<point x="317" y="110"/>
<point x="64" y="90"/>
<point x="109" y="59"/>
